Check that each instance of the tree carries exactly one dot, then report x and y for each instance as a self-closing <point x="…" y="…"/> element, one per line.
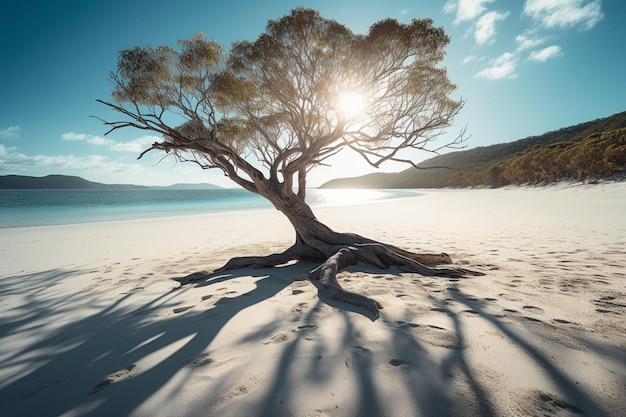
<point x="269" y="111"/>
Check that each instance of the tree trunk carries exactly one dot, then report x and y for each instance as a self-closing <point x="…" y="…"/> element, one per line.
<point x="316" y="242"/>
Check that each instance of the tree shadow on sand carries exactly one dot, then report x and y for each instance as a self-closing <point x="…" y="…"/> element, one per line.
<point x="98" y="354"/>
<point x="571" y="398"/>
<point x="99" y="364"/>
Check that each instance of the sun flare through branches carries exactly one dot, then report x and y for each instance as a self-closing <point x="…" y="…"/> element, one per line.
<point x="351" y="104"/>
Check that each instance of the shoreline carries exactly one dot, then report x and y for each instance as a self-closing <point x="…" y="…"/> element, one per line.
<point x="94" y="323"/>
<point x="261" y="204"/>
<point x="420" y="192"/>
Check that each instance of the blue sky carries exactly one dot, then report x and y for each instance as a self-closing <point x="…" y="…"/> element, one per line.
<point x="525" y="67"/>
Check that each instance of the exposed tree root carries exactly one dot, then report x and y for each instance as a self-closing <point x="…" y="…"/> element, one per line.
<point x="324" y="277"/>
<point x="377" y="254"/>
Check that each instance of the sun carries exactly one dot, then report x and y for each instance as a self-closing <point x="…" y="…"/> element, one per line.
<point x="351" y="104"/>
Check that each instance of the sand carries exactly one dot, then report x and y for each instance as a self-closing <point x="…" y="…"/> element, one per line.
<point x="92" y="322"/>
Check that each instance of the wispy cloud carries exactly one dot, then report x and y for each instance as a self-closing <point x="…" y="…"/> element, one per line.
<point x="545" y="54"/>
<point x="136" y="145"/>
<point x="405" y="12"/>
<point x="548" y="19"/>
<point x="526" y="42"/>
<point x="11" y="132"/>
<point x="468" y="59"/>
<point x="13" y="161"/>
<point x="486" y="26"/>
<point x="91" y="166"/>
<point x="71" y="136"/>
<point x="564" y="13"/>
<point x="466" y="9"/>
<point x="100" y="168"/>
<point x="505" y="66"/>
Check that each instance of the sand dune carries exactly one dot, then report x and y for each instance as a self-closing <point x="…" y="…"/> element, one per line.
<point x="93" y="322"/>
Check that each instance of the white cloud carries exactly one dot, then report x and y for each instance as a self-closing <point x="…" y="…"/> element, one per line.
<point x="466" y="9"/>
<point x="525" y="42"/>
<point x="136" y="145"/>
<point x="545" y="54"/>
<point x="90" y="166"/>
<point x="486" y="26"/>
<point x="449" y="7"/>
<point x="12" y="161"/>
<point x="404" y="12"/>
<point x="151" y="171"/>
<point x="11" y="132"/>
<point x="565" y="13"/>
<point x="502" y="67"/>
<point x="468" y="59"/>
<point x="71" y="136"/>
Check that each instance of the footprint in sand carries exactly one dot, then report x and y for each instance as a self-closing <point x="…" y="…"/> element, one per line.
<point x="128" y="372"/>
<point x="277" y="338"/>
<point x="445" y="339"/>
<point x="397" y="362"/>
<point x="359" y="353"/>
<point x="534" y="320"/>
<point x="198" y="361"/>
<point x="555" y="406"/>
<point x="434" y="335"/>
<point x="610" y="304"/>
<point x="237" y="391"/>
<point x="404" y="325"/>
<point x="470" y="312"/>
<point x="362" y="351"/>
<point x="299" y="308"/>
<point x="181" y="309"/>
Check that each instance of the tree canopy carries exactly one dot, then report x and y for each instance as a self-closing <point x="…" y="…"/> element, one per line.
<point x="304" y="90"/>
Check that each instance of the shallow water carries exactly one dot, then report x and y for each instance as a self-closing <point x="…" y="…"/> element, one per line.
<point x="22" y="208"/>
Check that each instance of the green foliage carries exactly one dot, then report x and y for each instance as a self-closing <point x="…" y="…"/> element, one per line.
<point x="144" y="68"/>
<point x="586" y="151"/>
<point x="600" y="155"/>
<point x="272" y="108"/>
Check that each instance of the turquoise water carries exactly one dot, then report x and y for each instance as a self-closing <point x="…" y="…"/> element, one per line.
<point x="23" y="208"/>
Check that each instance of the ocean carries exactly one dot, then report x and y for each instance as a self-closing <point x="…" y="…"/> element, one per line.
<point x="24" y="208"/>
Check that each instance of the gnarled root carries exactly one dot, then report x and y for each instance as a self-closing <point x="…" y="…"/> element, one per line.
<point x="297" y="252"/>
<point x="324" y="277"/>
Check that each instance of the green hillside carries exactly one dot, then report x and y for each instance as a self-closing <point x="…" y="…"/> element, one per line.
<point x="590" y="150"/>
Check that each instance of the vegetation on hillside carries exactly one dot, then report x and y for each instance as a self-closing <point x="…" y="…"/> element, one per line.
<point x="587" y="151"/>
<point x="600" y="155"/>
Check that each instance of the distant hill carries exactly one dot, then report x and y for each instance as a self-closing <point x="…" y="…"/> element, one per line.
<point x="497" y="165"/>
<point x="56" y="182"/>
<point x="77" y="183"/>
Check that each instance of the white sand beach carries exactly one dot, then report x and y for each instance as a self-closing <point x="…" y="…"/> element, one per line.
<point x="92" y="322"/>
